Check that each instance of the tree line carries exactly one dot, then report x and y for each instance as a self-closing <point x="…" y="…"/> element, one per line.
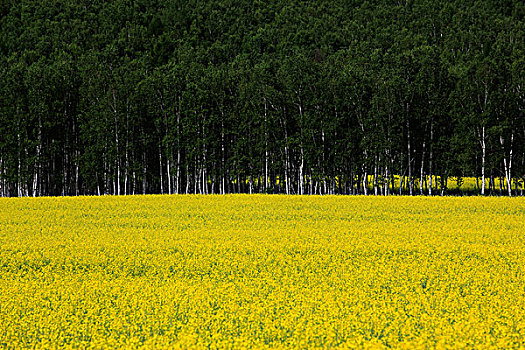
<point x="296" y="97"/>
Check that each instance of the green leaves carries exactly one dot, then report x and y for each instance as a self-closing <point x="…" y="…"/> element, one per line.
<point x="121" y="91"/>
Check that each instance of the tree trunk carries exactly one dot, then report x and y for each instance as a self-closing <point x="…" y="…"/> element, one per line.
<point x="144" y="172"/>
<point x="2" y="181"/>
<point x="133" y="186"/>
<point x="161" y="170"/>
<point x="117" y="161"/>
<point x="375" y="175"/>
<point x="126" y="170"/>
<point x="286" y="178"/>
<point x="19" y="172"/>
<point x="266" y="153"/>
<point x="483" y="154"/>
<point x="409" y="153"/>
<point x="507" y="163"/>
<point x="421" y="173"/>
<point x="168" y="173"/>
<point x="37" y="160"/>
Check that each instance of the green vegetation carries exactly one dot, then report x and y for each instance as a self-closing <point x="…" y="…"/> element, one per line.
<point x="147" y="96"/>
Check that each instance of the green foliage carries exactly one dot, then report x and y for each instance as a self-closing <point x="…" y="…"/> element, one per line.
<point x="167" y="96"/>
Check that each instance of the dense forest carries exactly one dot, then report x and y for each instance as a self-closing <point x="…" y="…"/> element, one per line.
<point x="296" y="97"/>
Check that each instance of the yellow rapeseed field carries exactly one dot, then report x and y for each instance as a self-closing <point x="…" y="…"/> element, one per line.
<point x="262" y="271"/>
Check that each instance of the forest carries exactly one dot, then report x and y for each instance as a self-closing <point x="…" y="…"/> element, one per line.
<point x="295" y="97"/>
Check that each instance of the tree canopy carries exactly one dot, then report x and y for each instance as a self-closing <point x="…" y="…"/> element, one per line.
<point x="296" y="97"/>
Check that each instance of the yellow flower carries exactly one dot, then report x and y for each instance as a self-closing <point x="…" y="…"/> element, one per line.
<point x="256" y="271"/>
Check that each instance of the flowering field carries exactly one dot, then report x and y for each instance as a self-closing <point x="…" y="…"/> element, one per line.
<point x="262" y="271"/>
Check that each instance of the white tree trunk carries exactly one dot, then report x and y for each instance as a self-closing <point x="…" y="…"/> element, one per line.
<point x="178" y="179"/>
<point x="421" y="173"/>
<point x="375" y="176"/>
<point x="365" y="174"/>
<point x="507" y="163"/>
<point x="117" y="161"/>
<point x="386" y="191"/>
<point x="160" y="170"/>
<point x="2" y="183"/>
<point x="126" y="170"/>
<point x="483" y="153"/>
<point x="365" y="183"/>
<point x="168" y="171"/>
<point x="430" y="182"/>
<point x="301" y="173"/>
<point x="409" y="165"/>
<point x="144" y="172"/>
<point x="266" y="179"/>
<point x="286" y="179"/>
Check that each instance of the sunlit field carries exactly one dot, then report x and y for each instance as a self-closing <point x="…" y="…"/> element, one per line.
<point x="262" y="271"/>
